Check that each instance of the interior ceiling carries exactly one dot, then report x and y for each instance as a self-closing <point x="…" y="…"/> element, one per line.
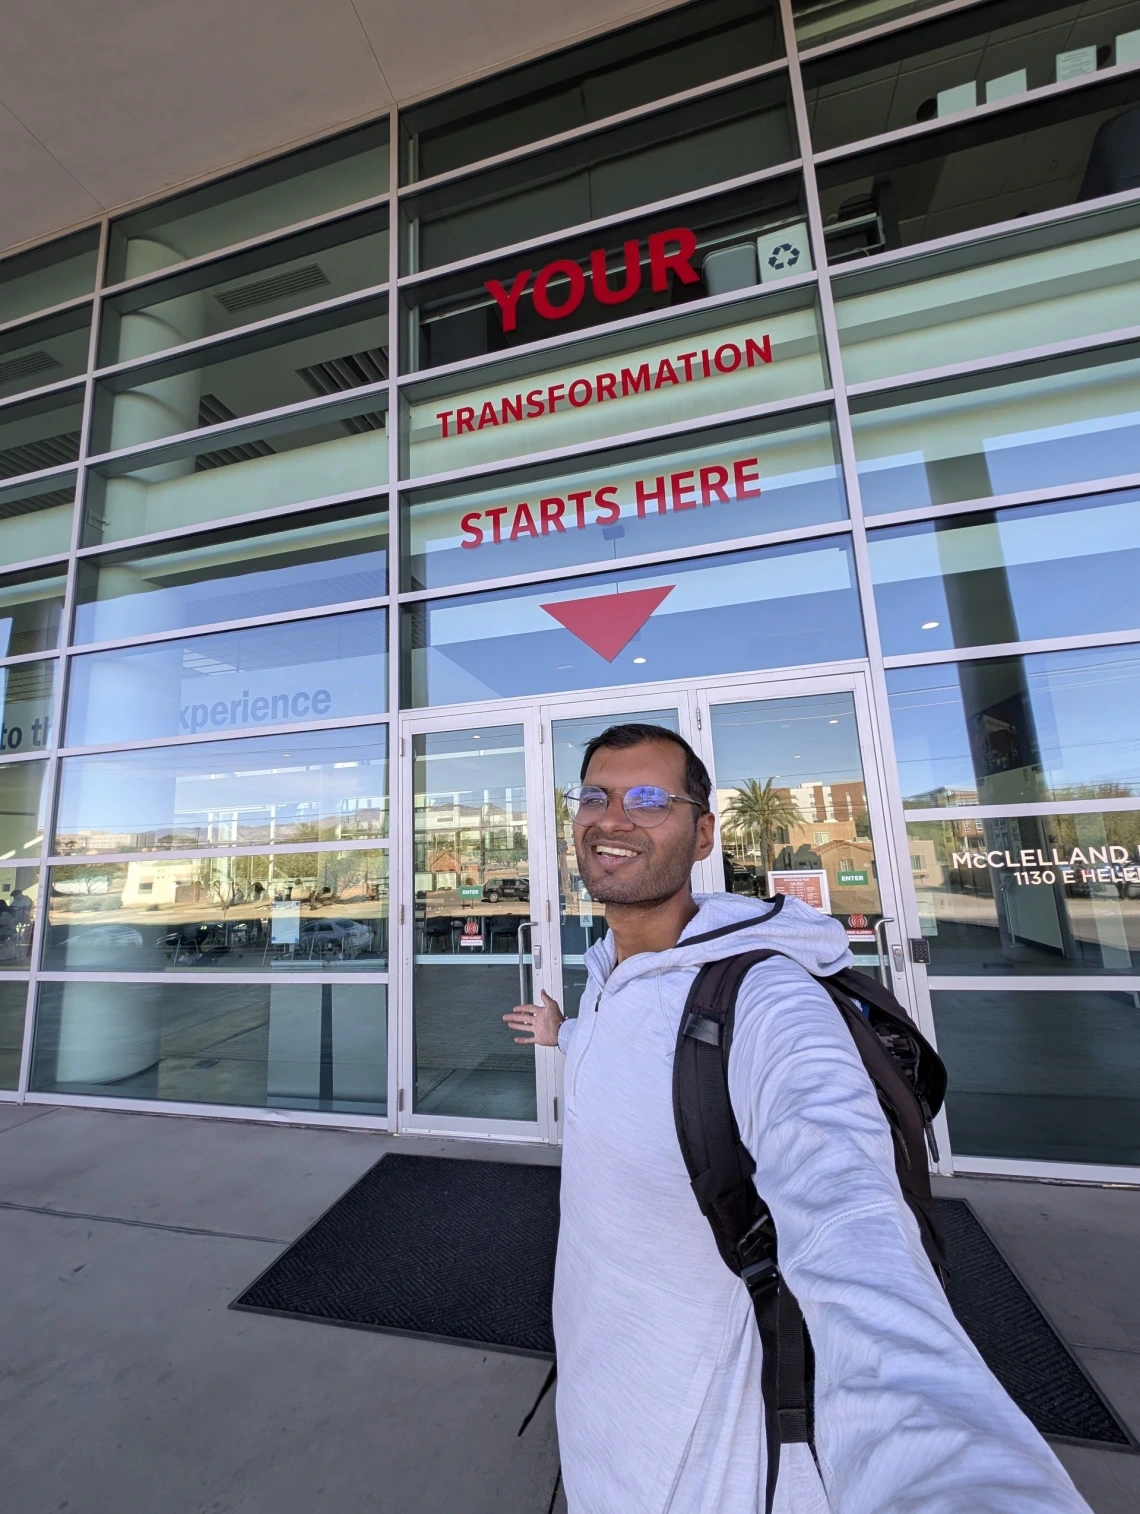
<point x="106" y="102"/>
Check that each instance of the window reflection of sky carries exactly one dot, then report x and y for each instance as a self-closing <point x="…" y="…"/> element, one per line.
<point x="1059" y="569"/>
<point x="1083" y="706"/>
<point x="770" y="608"/>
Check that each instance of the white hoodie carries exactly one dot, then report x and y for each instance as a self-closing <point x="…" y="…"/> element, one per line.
<point x="659" y="1405"/>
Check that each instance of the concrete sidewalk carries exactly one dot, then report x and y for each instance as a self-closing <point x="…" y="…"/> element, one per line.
<point x="127" y="1384"/>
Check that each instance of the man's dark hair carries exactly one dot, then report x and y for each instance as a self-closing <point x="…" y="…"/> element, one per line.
<point x="698" y="785"/>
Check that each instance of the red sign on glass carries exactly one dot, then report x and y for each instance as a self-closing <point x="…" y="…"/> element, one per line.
<point x="669" y="251"/>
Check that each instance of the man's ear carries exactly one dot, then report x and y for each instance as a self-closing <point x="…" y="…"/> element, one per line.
<point x="706" y="834"/>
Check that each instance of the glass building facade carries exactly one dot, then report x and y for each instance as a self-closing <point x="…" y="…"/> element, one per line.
<point x="342" y="499"/>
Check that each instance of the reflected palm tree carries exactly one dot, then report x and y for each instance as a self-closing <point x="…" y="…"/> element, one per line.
<point x="757" y="812"/>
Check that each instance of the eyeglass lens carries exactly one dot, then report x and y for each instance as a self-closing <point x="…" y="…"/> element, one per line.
<point x="645" y="805"/>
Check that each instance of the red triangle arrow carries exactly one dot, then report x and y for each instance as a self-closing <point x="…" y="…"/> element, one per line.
<point x="608" y="622"/>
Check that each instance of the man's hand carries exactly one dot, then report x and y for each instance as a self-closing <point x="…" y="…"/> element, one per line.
<point x="539" y="1021"/>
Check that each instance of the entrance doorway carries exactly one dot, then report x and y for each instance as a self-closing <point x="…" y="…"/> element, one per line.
<point x="495" y="909"/>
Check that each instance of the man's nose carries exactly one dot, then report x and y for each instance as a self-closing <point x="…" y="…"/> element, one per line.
<point x="615" y="817"/>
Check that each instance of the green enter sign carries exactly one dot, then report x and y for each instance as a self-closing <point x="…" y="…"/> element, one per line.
<point x="851" y="880"/>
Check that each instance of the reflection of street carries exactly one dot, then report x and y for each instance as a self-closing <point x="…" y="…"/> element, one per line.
<point x="968" y="937"/>
<point x="243" y="937"/>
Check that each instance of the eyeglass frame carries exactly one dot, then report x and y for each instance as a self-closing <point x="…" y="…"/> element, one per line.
<point x="573" y="797"/>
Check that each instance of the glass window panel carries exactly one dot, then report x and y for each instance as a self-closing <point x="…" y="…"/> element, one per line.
<point x="31" y="608"/>
<point x="1066" y="421"/>
<point x="335" y="173"/>
<point x="47" y="276"/>
<point x="36" y="518"/>
<point x="21" y="812"/>
<point x="689" y="46"/>
<point x="791" y="797"/>
<point x="19" y="900"/>
<point x="1047" y="1077"/>
<point x="472" y="892"/>
<point x="332" y="557"/>
<point x="257" y="285"/>
<point x="998" y="303"/>
<point x="1055" y="149"/>
<point x="27" y="692"/>
<point x="1029" y="894"/>
<point x="266" y="370"/>
<point x="756" y="354"/>
<point x="1013" y="730"/>
<point x="994" y="576"/>
<point x="282" y="911"/>
<point x="819" y="21"/>
<point x="341" y="448"/>
<point x="13" y="1007"/>
<point x="957" y="62"/>
<point x="706" y="141"/>
<point x="40" y="433"/>
<point x="283" y="1045"/>
<point x="740" y="240"/>
<point x="259" y="791"/>
<point x="309" y="670"/>
<point x="775" y="475"/>
<point x="44" y="352"/>
<point x="767" y="608"/>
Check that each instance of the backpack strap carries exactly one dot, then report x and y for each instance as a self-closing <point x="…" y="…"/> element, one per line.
<point x="720" y="1171"/>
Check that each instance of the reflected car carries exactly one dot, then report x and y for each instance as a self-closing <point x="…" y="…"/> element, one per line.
<point x="506" y="887"/>
<point x="118" y="936"/>
<point x="347" y="937"/>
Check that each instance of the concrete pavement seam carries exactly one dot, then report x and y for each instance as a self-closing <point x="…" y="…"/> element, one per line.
<point x="114" y="1219"/>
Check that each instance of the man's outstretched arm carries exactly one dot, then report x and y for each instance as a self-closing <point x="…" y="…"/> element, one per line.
<point x="908" y="1416"/>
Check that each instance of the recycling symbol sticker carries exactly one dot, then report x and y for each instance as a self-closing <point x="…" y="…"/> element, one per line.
<point x="779" y="261"/>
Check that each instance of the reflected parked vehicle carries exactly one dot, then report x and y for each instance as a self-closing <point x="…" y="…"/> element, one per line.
<point x="505" y="886"/>
<point x="346" y="938"/>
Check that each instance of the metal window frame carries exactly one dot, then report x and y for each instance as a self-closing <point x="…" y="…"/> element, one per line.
<point x="826" y="283"/>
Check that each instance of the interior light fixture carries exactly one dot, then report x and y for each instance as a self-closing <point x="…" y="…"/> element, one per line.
<point x="833" y="722"/>
<point x="931" y="625"/>
<point x="639" y="659"/>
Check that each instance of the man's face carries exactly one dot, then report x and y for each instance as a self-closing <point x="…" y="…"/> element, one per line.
<point x="624" y="863"/>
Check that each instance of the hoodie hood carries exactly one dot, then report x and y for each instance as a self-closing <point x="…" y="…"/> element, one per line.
<point x="726" y="925"/>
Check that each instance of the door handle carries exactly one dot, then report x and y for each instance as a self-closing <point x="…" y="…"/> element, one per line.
<point x="524" y="928"/>
<point x="881" y="941"/>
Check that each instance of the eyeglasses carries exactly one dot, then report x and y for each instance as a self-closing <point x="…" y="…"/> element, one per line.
<point x="645" y="805"/>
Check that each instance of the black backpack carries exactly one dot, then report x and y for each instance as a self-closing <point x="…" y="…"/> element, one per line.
<point x="910" y="1081"/>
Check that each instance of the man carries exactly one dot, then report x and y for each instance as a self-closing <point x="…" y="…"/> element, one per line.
<point x="659" y="1403"/>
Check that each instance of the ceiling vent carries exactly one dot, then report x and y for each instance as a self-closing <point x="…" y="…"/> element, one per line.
<point x="279" y="286"/>
<point x="212" y="412"/>
<point x="48" y="452"/>
<point x="25" y="365"/>
<point x="341" y="373"/>
<point x="30" y="504"/>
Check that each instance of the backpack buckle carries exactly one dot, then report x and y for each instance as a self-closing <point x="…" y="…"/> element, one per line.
<point x="756" y="1250"/>
<point x="760" y="1277"/>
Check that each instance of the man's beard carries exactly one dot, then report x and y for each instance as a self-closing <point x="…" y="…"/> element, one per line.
<point x="662" y="875"/>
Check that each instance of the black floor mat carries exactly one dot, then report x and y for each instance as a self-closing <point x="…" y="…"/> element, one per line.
<point x="464" y="1251"/>
<point x="1017" y="1342"/>
<point x="436" y="1246"/>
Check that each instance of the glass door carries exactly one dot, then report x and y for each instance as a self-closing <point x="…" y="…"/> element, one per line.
<point x="796" y="812"/>
<point x="472" y="949"/>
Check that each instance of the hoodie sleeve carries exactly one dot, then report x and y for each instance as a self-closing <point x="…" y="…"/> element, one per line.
<point x="908" y="1416"/>
<point x="566" y="1034"/>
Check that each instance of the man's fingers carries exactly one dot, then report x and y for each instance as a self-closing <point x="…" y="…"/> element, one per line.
<point x="549" y="1002"/>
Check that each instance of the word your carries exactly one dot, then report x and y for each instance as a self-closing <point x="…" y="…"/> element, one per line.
<point x="246" y="711"/>
<point x="12" y="736"/>
<point x="698" y="364"/>
<point x="668" y="250"/>
<point x="673" y="491"/>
